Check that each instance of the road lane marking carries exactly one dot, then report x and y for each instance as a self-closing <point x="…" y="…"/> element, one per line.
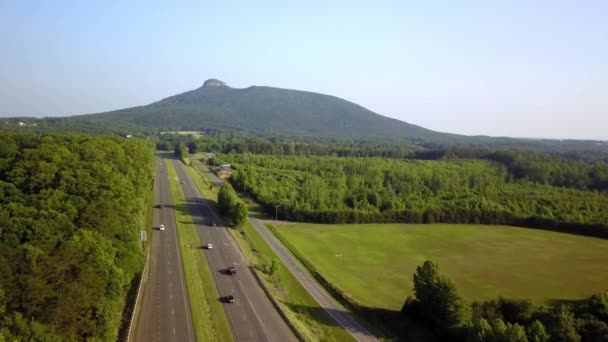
<point x="255" y="312"/>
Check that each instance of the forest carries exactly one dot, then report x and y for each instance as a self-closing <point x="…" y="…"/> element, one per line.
<point x="71" y="207"/>
<point x="454" y="190"/>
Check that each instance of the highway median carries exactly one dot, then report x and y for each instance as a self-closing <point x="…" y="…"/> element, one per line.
<point x="210" y="323"/>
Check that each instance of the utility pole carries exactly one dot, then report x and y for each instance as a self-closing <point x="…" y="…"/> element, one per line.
<point x="338" y="269"/>
<point x="276" y="213"/>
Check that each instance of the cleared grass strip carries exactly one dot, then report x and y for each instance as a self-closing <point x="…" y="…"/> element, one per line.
<point x="203" y="183"/>
<point x="208" y="315"/>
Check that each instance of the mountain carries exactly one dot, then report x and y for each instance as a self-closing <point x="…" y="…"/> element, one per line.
<point x="261" y="110"/>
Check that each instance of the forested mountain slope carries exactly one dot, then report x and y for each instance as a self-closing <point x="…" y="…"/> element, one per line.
<point x="71" y="207"/>
<point x="259" y="110"/>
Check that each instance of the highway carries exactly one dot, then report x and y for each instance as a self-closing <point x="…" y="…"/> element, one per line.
<point x="165" y="309"/>
<point x="335" y="310"/>
<point x="252" y="317"/>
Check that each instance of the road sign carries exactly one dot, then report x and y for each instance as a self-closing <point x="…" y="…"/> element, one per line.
<point x="142" y="235"/>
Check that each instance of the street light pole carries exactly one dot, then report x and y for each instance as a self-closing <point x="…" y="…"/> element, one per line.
<point x="338" y="269"/>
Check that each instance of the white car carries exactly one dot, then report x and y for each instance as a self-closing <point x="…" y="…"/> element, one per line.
<point x="209" y="246"/>
<point x="161" y="227"/>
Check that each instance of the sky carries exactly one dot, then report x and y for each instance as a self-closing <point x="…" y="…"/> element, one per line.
<point x="502" y="68"/>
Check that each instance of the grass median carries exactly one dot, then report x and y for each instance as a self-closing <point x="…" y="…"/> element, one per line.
<point x="208" y="315"/>
<point x="302" y="310"/>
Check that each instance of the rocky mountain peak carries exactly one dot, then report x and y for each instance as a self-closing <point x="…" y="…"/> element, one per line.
<point x="212" y="82"/>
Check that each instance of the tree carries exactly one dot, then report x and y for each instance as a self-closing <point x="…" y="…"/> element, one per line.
<point x="239" y="214"/>
<point x="231" y="206"/>
<point x="537" y="333"/>
<point x="440" y="305"/>
<point x="274" y="267"/>
<point x="481" y="331"/>
<point x="563" y="327"/>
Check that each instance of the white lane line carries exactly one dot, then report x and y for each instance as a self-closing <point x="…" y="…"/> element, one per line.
<point x="255" y="312"/>
<point x="173" y="331"/>
<point x="182" y="277"/>
<point x="172" y="312"/>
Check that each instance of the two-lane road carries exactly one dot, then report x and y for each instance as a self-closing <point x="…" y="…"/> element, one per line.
<point x="165" y="309"/>
<point x="252" y="317"/>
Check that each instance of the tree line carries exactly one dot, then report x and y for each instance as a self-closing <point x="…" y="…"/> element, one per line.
<point x="71" y="207"/>
<point x="376" y="190"/>
<point x="438" y="306"/>
<point x="562" y="167"/>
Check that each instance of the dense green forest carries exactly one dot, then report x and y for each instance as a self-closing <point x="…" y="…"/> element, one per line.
<point x="71" y="207"/>
<point x="229" y="141"/>
<point x="368" y="190"/>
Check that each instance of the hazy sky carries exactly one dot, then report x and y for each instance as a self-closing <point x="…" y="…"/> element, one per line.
<point x="508" y="68"/>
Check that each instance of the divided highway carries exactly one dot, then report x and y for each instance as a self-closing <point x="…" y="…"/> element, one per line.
<point x="252" y="317"/>
<point x="165" y="309"/>
<point x="335" y="310"/>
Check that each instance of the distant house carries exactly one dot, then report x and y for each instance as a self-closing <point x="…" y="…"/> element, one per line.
<point x="225" y="166"/>
<point x="21" y="123"/>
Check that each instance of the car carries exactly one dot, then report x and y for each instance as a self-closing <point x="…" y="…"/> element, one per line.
<point x="161" y="205"/>
<point x="231" y="270"/>
<point x="183" y="182"/>
<point x="161" y="227"/>
<point x="229" y="299"/>
<point x="209" y="246"/>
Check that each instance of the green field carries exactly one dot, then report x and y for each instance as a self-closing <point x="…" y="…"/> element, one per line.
<point x="378" y="260"/>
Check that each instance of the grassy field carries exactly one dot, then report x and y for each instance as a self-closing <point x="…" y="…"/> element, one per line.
<point x="208" y="316"/>
<point x="298" y="305"/>
<point x="379" y="260"/>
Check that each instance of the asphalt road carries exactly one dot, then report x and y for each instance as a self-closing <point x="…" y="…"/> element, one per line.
<point x="252" y="317"/>
<point x="165" y="310"/>
<point x="334" y="309"/>
<point x="212" y="175"/>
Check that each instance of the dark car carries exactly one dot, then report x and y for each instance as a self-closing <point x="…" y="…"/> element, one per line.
<point x="231" y="270"/>
<point x="229" y="299"/>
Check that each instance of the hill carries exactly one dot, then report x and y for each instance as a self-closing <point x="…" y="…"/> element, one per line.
<point x="273" y="113"/>
<point x="260" y="110"/>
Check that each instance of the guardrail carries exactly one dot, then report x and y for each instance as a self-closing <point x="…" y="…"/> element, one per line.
<point x="135" y="314"/>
